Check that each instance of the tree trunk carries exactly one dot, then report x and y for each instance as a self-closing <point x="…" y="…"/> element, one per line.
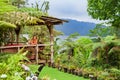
<point x="17" y="39"/>
<point x="107" y="49"/>
<point x="11" y="37"/>
<point x="17" y="31"/>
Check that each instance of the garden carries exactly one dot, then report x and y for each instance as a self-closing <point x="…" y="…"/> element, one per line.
<point x="92" y="57"/>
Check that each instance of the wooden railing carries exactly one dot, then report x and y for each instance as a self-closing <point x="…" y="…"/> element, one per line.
<point x="18" y="47"/>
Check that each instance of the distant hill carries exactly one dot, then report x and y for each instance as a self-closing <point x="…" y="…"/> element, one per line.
<point x="75" y="26"/>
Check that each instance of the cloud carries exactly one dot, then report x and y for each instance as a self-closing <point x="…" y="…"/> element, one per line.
<point x="70" y="9"/>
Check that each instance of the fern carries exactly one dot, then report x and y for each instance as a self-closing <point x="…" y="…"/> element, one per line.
<point x="12" y="65"/>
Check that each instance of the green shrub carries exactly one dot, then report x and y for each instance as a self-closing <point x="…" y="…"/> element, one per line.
<point x="10" y="68"/>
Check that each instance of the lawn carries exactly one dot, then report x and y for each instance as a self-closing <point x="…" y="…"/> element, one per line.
<point x="55" y="74"/>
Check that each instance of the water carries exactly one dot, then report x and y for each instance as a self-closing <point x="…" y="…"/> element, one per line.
<point x="63" y="37"/>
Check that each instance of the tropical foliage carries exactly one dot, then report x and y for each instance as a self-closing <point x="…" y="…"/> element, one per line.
<point x="6" y="7"/>
<point x="11" y="69"/>
<point x="79" y="55"/>
<point x="19" y="19"/>
<point x="18" y="3"/>
<point x="6" y="25"/>
<point x="90" y="56"/>
<point x="5" y="32"/>
<point x="27" y="16"/>
<point x="101" y="31"/>
<point x="106" y="10"/>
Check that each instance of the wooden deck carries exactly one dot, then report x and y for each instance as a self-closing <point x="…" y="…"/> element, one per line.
<point x="34" y="49"/>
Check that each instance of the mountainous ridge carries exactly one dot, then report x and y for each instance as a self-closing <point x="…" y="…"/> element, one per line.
<point x="75" y="26"/>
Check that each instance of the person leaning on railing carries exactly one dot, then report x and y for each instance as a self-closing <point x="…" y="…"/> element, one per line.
<point x="32" y="50"/>
<point x="33" y="41"/>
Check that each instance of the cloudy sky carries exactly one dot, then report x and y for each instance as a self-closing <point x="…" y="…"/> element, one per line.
<point x="70" y="9"/>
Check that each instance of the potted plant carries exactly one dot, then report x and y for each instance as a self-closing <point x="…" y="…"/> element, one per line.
<point x="80" y="72"/>
<point x="72" y="69"/>
<point x="85" y="73"/>
<point x="60" y="68"/>
<point x="65" y="68"/>
<point x="103" y="75"/>
<point x="93" y="73"/>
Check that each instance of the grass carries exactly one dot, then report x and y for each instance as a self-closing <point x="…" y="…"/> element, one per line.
<point x="55" y="74"/>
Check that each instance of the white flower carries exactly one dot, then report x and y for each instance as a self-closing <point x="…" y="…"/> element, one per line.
<point x="35" y="78"/>
<point x="25" y="67"/>
<point x="90" y="76"/>
<point x="3" y="76"/>
<point x="16" y="74"/>
<point x="31" y="74"/>
<point x="28" y="78"/>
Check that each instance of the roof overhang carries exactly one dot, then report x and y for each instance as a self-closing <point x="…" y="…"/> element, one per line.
<point x="52" y="20"/>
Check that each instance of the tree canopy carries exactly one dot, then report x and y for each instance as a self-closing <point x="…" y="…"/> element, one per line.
<point x="18" y="3"/>
<point x="101" y="31"/>
<point x="6" y="7"/>
<point x="106" y="10"/>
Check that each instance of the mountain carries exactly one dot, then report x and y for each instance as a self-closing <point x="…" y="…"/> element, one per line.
<point x="75" y="26"/>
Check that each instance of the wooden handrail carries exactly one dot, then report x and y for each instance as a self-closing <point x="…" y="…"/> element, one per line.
<point x="16" y="42"/>
<point x="28" y="45"/>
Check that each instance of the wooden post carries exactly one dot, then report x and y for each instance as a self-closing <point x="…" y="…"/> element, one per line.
<point x="1" y="50"/>
<point x="18" y="48"/>
<point x="36" y="53"/>
<point x="50" y="28"/>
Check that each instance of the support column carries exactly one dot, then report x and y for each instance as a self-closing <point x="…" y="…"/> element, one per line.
<point x="50" y="28"/>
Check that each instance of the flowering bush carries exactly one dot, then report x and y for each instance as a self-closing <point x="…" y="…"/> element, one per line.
<point x="10" y="68"/>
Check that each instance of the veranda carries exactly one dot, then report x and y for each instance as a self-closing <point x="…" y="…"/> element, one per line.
<point x="49" y="22"/>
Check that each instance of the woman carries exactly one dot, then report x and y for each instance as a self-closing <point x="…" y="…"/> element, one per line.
<point x="33" y="41"/>
<point x="32" y="50"/>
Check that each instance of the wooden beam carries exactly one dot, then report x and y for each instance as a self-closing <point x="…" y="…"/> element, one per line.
<point x="52" y="18"/>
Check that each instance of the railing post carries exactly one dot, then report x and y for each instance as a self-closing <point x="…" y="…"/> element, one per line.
<point x="36" y="51"/>
<point x="18" y="48"/>
<point x="1" y="50"/>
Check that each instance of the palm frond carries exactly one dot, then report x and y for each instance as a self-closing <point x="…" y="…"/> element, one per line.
<point x="4" y="24"/>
